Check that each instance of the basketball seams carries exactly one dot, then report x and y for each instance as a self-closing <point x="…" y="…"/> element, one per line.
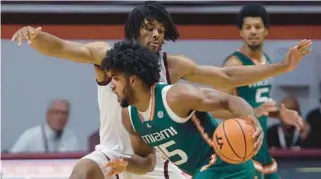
<point x="245" y="143"/>
<point x="221" y="154"/>
<point x="229" y="141"/>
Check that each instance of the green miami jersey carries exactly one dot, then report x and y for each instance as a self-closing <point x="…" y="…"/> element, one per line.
<point x="257" y="93"/>
<point x="184" y="141"/>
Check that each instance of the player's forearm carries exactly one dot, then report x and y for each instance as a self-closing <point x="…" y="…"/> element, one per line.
<point x="239" y="107"/>
<point x="47" y="44"/>
<point x="245" y="75"/>
<point x="141" y="165"/>
<point x="222" y="114"/>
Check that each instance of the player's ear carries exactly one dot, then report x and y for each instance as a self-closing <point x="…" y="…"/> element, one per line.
<point x="133" y="80"/>
<point x="241" y="32"/>
<point x="266" y="32"/>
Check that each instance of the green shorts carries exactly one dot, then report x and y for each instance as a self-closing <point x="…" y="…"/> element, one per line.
<point x="227" y="171"/>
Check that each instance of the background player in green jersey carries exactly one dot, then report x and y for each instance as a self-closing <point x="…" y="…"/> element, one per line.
<point x="174" y="120"/>
<point x="253" y="23"/>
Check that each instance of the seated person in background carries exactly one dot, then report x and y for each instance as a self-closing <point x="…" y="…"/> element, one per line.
<point x="52" y="136"/>
<point x="314" y="120"/>
<point x="284" y="136"/>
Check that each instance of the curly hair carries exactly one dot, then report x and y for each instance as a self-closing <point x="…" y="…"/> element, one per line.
<point x="131" y="58"/>
<point x="253" y="10"/>
<point x="150" y="10"/>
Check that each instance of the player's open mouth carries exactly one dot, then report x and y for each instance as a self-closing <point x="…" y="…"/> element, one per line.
<point x="154" y="44"/>
<point x="253" y="38"/>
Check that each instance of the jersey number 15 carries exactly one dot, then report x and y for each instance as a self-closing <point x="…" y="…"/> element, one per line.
<point x="176" y="152"/>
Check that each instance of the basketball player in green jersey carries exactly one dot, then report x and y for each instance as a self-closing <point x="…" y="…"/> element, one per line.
<point x="174" y="120"/>
<point x="253" y="22"/>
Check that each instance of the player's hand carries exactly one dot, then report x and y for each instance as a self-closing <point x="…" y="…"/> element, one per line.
<point x="291" y="117"/>
<point x="258" y="135"/>
<point x="265" y="108"/>
<point x="296" y="53"/>
<point x="116" y="166"/>
<point x="25" y="34"/>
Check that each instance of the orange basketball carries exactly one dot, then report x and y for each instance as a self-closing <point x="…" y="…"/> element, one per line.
<point x="233" y="141"/>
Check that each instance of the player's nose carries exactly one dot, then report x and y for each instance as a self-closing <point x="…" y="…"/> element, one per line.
<point x="253" y="30"/>
<point x="155" y="33"/>
<point x="112" y="85"/>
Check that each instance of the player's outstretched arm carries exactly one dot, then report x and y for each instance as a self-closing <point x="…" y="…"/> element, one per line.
<point x="51" y="45"/>
<point x="231" y="77"/>
<point x="144" y="159"/>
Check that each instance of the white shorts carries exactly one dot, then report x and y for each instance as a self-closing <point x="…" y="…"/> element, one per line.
<point x="163" y="169"/>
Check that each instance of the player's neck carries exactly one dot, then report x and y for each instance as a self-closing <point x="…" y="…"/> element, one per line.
<point x="254" y="54"/>
<point x="143" y="99"/>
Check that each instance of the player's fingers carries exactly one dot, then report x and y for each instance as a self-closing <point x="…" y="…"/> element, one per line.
<point x="305" y="44"/>
<point x="19" y="40"/>
<point x="271" y="101"/>
<point x="38" y="29"/>
<point x="25" y="34"/>
<point x="257" y="133"/>
<point x="258" y="142"/>
<point x="17" y="37"/>
<point x="34" y="32"/>
<point x="271" y="109"/>
<point x="13" y="38"/>
<point x="267" y="105"/>
<point x="301" y="43"/>
<point x="304" y="53"/>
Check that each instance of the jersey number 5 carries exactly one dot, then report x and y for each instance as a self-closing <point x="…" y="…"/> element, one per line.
<point x="259" y="96"/>
<point x="164" y="149"/>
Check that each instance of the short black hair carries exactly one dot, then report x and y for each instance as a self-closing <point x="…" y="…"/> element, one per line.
<point x="150" y="10"/>
<point x="131" y="58"/>
<point x="253" y="10"/>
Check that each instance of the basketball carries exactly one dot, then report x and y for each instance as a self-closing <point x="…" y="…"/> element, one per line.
<point x="233" y="141"/>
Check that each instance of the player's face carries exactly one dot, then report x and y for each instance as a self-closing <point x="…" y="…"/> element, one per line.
<point x="122" y="87"/>
<point x="152" y="35"/>
<point x="253" y="32"/>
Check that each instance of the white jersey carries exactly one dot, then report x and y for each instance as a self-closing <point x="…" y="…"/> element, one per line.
<point x="113" y="135"/>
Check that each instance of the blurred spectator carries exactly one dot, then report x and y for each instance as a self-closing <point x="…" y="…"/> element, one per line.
<point x="314" y="119"/>
<point x="284" y="136"/>
<point x="93" y="140"/>
<point x="52" y="136"/>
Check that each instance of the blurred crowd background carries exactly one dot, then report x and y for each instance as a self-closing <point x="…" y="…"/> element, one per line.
<point x="44" y="96"/>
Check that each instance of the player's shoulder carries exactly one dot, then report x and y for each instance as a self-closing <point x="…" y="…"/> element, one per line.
<point x="180" y="59"/>
<point x="181" y="91"/>
<point x="232" y="60"/>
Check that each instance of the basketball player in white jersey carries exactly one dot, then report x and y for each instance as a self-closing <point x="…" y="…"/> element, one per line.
<point x="151" y="25"/>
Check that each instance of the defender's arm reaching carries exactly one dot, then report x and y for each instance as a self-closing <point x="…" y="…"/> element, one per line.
<point x="51" y="45"/>
<point x="235" y="76"/>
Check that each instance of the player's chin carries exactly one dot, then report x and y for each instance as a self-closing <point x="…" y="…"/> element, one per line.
<point x="153" y="48"/>
<point x="254" y="45"/>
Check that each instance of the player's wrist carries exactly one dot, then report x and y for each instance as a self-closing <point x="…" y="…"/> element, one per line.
<point x="282" y="67"/>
